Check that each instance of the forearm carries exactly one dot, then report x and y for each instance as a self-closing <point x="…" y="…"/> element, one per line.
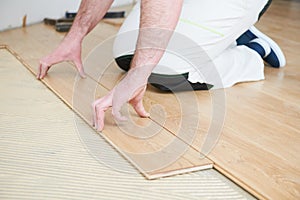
<point x="89" y="14"/>
<point x="157" y="22"/>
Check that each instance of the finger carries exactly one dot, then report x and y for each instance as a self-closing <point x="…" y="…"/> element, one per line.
<point x="94" y="110"/>
<point x="43" y="70"/>
<point x="100" y="119"/>
<point x="137" y="103"/>
<point x="80" y="68"/>
<point x="99" y="107"/>
<point x="47" y="62"/>
<point x="140" y="110"/>
<point x="39" y="71"/>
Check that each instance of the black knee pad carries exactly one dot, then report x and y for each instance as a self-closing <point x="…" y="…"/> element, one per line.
<point x="124" y="61"/>
<point x="163" y="82"/>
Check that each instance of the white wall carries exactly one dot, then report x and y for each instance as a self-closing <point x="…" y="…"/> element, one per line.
<point x="12" y="11"/>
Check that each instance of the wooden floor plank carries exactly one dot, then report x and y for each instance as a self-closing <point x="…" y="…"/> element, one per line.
<point x="254" y="134"/>
<point x="248" y="166"/>
<point x="262" y="123"/>
<point x="267" y="126"/>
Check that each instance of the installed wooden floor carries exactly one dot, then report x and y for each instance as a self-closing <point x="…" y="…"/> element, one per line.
<point x="259" y="146"/>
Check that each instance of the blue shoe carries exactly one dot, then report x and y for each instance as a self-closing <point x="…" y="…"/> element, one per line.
<point x="245" y="38"/>
<point x="260" y="46"/>
<point x="274" y="57"/>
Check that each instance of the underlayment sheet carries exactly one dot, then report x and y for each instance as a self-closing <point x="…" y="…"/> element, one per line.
<point x="42" y="155"/>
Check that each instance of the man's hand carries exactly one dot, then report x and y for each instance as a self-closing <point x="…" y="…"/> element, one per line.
<point x="131" y="89"/>
<point x="101" y="105"/>
<point x="88" y="16"/>
<point x="66" y="51"/>
<point x="116" y="99"/>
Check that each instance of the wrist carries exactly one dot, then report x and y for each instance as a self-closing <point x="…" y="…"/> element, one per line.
<point x="146" y="57"/>
<point x="78" y="31"/>
<point x="74" y="36"/>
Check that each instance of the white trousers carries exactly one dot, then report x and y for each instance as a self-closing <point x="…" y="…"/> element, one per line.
<point x="203" y="43"/>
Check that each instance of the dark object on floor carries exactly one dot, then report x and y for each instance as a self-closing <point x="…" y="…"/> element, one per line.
<point x="53" y="22"/>
<point x="111" y="14"/>
<point x="64" y="24"/>
<point x="119" y="14"/>
<point x="163" y="82"/>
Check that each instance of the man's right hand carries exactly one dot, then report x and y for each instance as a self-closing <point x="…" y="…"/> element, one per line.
<point x="66" y="51"/>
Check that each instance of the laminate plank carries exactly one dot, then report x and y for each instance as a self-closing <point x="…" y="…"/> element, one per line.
<point x="263" y="116"/>
<point x="282" y="23"/>
<point x="270" y="129"/>
<point x="249" y="167"/>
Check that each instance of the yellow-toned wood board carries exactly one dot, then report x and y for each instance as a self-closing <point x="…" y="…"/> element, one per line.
<point x="262" y="139"/>
<point x="142" y="149"/>
<point x="261" y="131"/>
<point x="271" y="128"/>
<point x="268" y="127"/>
<point x="264" y="116"/>
<point x="282" y="23"/>
<point x="264" y="122"/>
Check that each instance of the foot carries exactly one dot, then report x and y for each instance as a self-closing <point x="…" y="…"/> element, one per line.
<point x="264" y="45"/>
